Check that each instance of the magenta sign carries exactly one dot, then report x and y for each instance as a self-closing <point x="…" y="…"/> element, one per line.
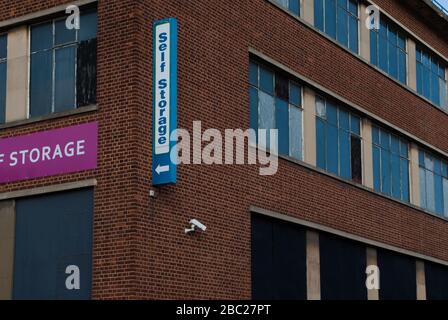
<point x="49" y="153"/>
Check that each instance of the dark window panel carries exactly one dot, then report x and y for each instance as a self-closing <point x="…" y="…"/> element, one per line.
<point x="88" y="26"/>
<point x="342" y="268"/>
<point x="2" y="91"/>
<point x="3" y="47"/>
<point x="86" y="73"/>
<point x="436" y="278"/>
<point x="397" y="276"/>
<point x="62" y="34"/>
<point x="281" y="87"/>
<point x="64" y="98"/>
<point x="41" y="84"/>
<point x="42" y="37"/>
<point x="356" y="159"/>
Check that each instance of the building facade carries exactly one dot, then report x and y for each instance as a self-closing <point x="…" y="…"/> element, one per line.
<point x="361" y="190"/>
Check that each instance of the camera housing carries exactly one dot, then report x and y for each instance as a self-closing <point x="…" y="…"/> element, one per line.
<point x="195" y="224"/>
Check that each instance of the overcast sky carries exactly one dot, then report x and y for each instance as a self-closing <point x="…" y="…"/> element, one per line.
<point x="444" y="3"/>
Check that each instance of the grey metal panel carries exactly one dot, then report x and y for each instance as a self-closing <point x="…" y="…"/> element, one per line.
<point x="53" y="232"/>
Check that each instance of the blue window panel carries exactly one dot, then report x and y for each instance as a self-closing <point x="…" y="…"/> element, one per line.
<point x="332" y="150"/>
<point x="41" y="83"/>
<point x="426" y="83"/>
<point x="442" y="90"/>
<point x="355" y="124"/>
<point x="62" y="34"/>
<point x="41" y="37"/>
<point x="430" y="191"/>
<point x="353" y="34"/>
<point x="267" y="81"/>
<point x="392" y="37"/>
<point x="332" y="113"/>
<point x="423" y="192"/>
<point x="353" y="7"/>
<point x="438" y="193"/>
<point x="445" y="170"/>
<point x="383" y="60"/>
<point x="253" y="74"/>
<point x="283" y="3"/>
<point x="396" y="176"/>
<point x="294" y="7"/>
<point x="343" y="4"/>
<point x="321" y="143"/>
<point x="319" y="14"/>
<point x="404" y="149"/>
<point x="376" y="135"/>
<point x="374" y="47"/>
<point x="64" y="98"/>
<point x="253" y="94"/>
<point x="401" y="42"/>
<point x="419" y="78"/>
<point x="376" y="168"/>
<point x="88" y="27"/>
<point x="393" y="61"/>
<point x="404" y="166"/>
<point x="429" y="163"/>
<point x="395" y="145"/>
<point x="434" y="66"/>
<point x="421" y="158"/>
<point x="435" y="94"/>
<point x="295" y="132"/>
<point x="266" y="116"/>
<point x="3" y="47"/>
<point x="344" y="120"/>
<point x="442" y="72"/>
<point x="445" y="197"/>
<point x="345" y="158"/>
<point x="418" y="55"/>
<point x="2" y="92"/>
<point x="342" y="27"/>
<point x="330" y="18"/>
<point x="402" y="73"/>
<point x="437" y="167"/>
<point x="282" y="124"/>
<point x="295" y="94"/>
<point x="385" y="173"/>
<point x="385" y="140"/>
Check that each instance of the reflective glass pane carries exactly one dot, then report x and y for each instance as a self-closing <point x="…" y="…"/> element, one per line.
<point x="65" y="79"/>
<point x="62" y="34"/>
<point x="88" y="27"/>
<point x="295" y="132"/>
<point x="41" y="37"/>
<point x="41" y="83"/>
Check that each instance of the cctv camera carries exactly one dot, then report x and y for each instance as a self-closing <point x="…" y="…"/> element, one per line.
<point x="195" y="224"/>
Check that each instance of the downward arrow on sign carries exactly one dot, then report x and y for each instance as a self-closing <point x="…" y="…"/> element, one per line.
<point x="160" y="169"/>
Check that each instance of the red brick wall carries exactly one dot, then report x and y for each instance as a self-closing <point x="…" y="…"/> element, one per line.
<point x="140" y="250"/>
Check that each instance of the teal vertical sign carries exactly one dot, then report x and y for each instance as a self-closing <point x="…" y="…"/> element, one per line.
<point x="164" y="100"/>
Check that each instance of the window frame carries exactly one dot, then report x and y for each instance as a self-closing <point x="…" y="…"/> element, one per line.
<point x="336" y="38"/>
<point x="422" y="50"/>
<point x="55" y="47"/>
<point x="390" y="25"/>
<point x="380" y="165"/>
<point x="5" y="61"/>
<point x="291" y="80"/>
<point x="351" y="133"/>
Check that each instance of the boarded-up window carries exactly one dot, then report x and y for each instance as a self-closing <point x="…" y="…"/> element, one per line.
<point x="342" y="268"/>
<point x="278" y="260"/>
<point x="436" y="281"/>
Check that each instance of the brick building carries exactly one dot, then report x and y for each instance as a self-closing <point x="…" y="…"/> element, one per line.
<point x="363" y="170"/>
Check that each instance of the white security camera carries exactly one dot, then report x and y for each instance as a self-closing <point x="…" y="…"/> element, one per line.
<point x="195" y="224"/>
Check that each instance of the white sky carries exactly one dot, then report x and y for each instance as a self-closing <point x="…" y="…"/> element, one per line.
<point x="444" y="3"/>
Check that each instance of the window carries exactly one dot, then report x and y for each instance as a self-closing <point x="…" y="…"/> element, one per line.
<point x="3" y="55"/>
<point x="390" y="164"/>
<point x="338" y="19"/>
<point x="292" y="6"/>
<point x="388" y="50"/>
<point x="276" y="103"/>
<point x="62" y="66"/>
<point x="433" y="183"/>
<point x="338" y="139"/>
<point x="431" y="81"/>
